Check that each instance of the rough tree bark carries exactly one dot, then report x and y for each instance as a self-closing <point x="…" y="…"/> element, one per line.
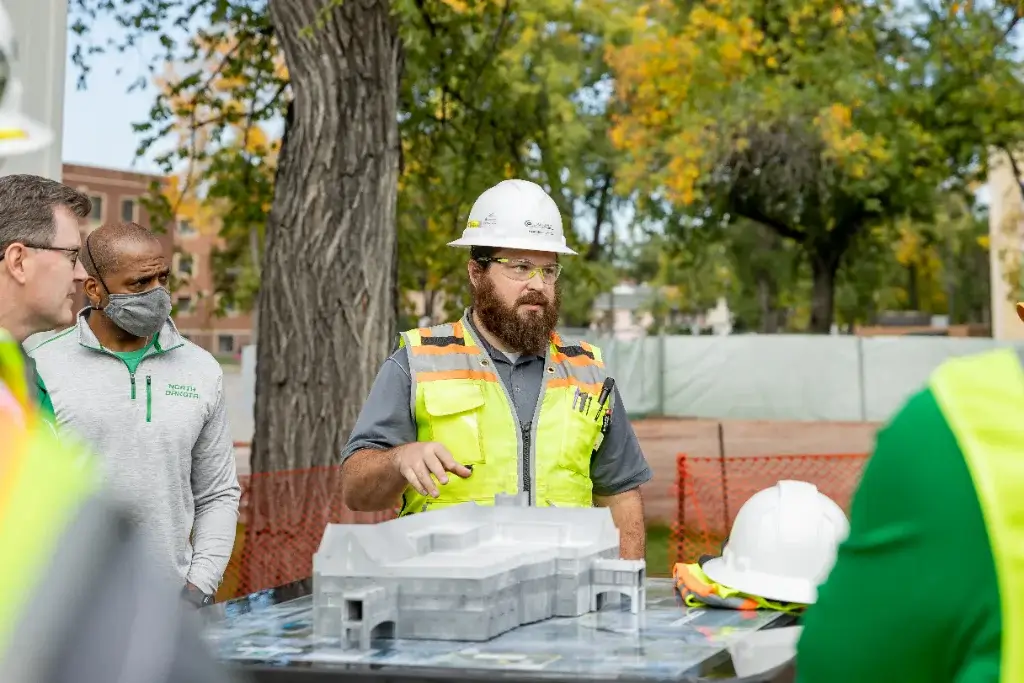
<point x="327" y="307"/>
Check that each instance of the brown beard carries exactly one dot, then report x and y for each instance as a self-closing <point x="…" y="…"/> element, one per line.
<point x="521" y="332"/>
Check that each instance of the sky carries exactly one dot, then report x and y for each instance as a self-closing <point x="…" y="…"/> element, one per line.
<point x="98" y="120"/>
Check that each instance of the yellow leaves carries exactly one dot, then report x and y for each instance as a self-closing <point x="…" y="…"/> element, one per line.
<point x="850" y="147"/>
<point x="837" y="15"/>
<point x="256" y="141"/>
<point x="730" y="53"/>
<point x="908" y="246"/>
<point x="841" y="114"/>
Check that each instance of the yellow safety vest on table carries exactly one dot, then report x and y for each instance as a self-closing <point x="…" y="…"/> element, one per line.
<point x="459" y="400"/>
<point x="696" y="589"/>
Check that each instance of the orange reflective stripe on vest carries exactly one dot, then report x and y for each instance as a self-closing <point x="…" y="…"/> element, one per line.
<point x="459" y="400"/>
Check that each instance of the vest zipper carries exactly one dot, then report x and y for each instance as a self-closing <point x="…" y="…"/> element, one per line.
<point x="527" y="484"/>
<point x="132" y="375"/>
<point x="149" y="398"/>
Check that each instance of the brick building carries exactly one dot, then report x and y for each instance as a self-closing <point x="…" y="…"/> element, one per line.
<point x="116" y="196"/>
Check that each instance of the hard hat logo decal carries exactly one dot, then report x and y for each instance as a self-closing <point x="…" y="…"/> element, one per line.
<point x="472" y="224"/>
<point x="537" y="228"/>
<point x="491" y="220"/>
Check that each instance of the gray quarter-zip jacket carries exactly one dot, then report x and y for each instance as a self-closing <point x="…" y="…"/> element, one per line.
<point x="162" y="436"/>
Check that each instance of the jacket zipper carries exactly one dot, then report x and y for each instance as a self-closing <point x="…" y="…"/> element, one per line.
<point x="527" y="484"/>
<point x="132" y="375"/>
<point x="149" y="398"/>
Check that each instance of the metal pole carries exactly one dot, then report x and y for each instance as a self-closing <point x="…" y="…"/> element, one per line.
<point x="725" y="481"/>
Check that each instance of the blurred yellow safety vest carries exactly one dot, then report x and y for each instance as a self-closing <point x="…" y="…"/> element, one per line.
<point x="982" y="399"/>
<point x="43" y="485"/>
<point x="695" y="589"/>
<point x="458" y="400"/>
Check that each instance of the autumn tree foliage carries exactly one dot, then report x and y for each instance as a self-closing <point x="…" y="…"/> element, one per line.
<point x="814" y="118"/>
<point x="328" y="263"/>
<point x="490" y="89"/>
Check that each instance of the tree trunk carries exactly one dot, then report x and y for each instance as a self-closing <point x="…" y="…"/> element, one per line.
<point x="767" y="296"/>
<point x="913" y="298"/>
<point x="823" y="290"/>
<point x="327" y="307"/>
<point x="257" y="260"/>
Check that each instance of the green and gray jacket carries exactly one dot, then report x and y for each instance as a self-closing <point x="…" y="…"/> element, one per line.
<point x="162" y="436"/>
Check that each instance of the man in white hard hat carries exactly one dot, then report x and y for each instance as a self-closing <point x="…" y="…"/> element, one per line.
<point x="497" y="402"/>
<point x="82" y="602"/>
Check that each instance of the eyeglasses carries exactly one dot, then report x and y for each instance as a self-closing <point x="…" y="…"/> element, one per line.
<point x="71" y="251"/>
<point x="525" y="270"/>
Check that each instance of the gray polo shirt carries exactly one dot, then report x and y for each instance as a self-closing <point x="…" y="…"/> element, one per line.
<point x="386" y="420"/>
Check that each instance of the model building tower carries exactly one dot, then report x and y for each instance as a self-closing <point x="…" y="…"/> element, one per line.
<point x="467" y="572"/>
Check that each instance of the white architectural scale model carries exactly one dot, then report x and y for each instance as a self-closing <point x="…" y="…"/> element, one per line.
<point x="468" y="572"/>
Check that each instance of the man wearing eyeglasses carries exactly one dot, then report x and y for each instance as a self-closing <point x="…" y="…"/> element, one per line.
<point x="39" y="267"/>
<point x="498" y="402"/>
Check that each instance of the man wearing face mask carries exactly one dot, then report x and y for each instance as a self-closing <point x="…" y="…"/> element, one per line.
<point x="151" y="404"/>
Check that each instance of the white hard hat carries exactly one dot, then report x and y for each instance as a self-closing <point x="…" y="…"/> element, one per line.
<point x="782" y="545"/>
<point x="19" y="134"/>
<point x="515" y="214"/>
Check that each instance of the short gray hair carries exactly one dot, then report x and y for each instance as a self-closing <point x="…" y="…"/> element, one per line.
<point x="27" y="203"/>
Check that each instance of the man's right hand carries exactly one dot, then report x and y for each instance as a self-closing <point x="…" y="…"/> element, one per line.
<point x="417" y="461"/>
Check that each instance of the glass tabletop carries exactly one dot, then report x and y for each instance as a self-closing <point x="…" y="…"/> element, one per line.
<point x="666" y="641"/>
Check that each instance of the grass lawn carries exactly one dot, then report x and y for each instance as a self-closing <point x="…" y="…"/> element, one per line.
<point x="659" y="536"/>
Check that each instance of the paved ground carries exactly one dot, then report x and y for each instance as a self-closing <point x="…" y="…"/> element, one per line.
<point x="663" y="440"/>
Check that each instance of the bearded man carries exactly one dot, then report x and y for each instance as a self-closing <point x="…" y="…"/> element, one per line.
<point x="498" y="403"/>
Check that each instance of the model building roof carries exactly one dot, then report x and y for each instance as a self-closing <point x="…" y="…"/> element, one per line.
<point x="464" y="541"/>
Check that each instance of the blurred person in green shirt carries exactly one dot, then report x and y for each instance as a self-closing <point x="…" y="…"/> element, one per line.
<point x="929" y="585"/>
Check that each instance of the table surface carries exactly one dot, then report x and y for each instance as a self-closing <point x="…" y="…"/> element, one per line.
<point x="667" y="641"/>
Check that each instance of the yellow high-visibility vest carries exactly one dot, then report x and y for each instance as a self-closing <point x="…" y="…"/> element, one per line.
<point x="43" y="484"/>
<point x="982" y="399"/>
<point x="459" y="401"/>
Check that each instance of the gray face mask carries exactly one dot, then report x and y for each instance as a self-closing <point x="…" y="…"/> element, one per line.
<point x="142" y="314"/>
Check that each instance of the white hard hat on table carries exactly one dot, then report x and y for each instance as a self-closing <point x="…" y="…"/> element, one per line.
<point x="783" y="544"/>
<point x="515" y="214"/>
<point x="19" y="134"/>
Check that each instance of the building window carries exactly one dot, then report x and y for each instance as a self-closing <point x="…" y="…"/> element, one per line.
<point x="225" y="343"/>
<point x="128" y="211"/>
<point x="184" y="304"/>
<point x="97" y="207"/>
<point x="185" y="228"/>
<point x="185" y="265"/>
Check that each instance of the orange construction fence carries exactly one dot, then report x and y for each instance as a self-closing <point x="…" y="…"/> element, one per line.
<point x="710" y="491"/>
<point x="281" y="519"/>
